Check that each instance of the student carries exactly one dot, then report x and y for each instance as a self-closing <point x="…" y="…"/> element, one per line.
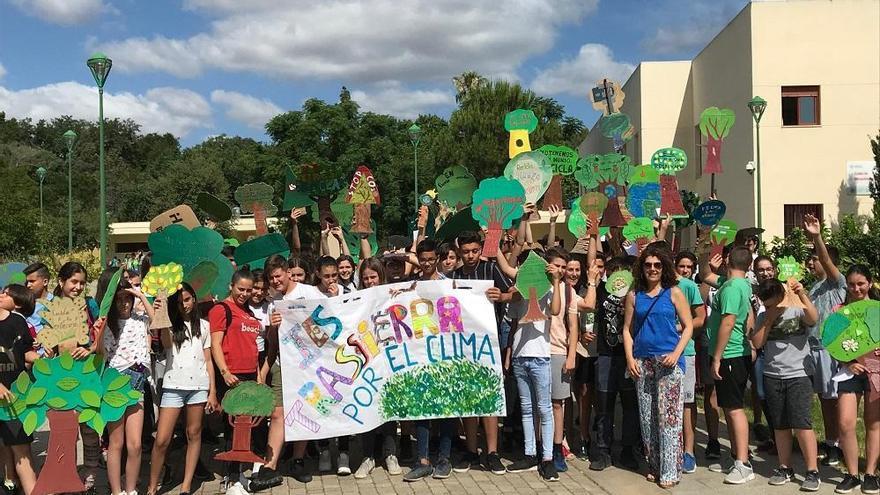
<point x="654" y="343"/>
<point x="327" y="276"/>
<point x="530" y="361"/>
<point x="345" y="263"/>
<point x="448" y="258"/>
<point x="126" y="348"/>
<point x="37" y="281"/>
<point x="763" y="268"/>
<point x="18" y="344"/>
<point x="732" y="354"/>
<point x="782" y="333"/>
<point x="188" y="383"/>
<point x="260" y="304"/>
<point x="585" y="373"/>
<point x="684" y="267"/>
<point x="299" y="269"/>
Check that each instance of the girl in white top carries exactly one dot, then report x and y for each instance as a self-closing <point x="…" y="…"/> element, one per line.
<point x="189" y="383"/>
<point x="126" y="347"/>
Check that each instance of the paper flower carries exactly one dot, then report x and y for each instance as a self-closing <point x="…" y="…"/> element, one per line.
<point x="850" y="345"/>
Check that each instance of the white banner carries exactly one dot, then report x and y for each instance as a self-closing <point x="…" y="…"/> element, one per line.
<point x="353" y="362"/>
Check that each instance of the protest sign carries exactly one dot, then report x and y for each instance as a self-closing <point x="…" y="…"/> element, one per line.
<point x="532" y="170"/>
<point x="715" y="125"/>
<point x="496" y="204"/>
<point x="256" y="198"/>
<point x="455" y="186"/>
<point x="643" y="192"/>
<point x="709" y="212"/>
<point x="519" y="123"/>
<point x="853" y="331"/>
<point x="563" y="161"/>
<point x="353" y="362"/>
<point x="790" y="269"/>
<point x="668" y="162"/>
<point x="179" y="215"/>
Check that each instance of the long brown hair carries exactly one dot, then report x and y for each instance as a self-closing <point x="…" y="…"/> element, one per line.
<point x="668" y="276"/>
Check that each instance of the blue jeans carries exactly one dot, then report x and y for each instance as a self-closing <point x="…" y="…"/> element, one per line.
<point x="447" y="430"/>
<point x="533" y="381"/>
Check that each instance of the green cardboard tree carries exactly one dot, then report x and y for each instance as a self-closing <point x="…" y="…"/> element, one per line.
<point x="248" y="403"/>
<point x="592" y="205"/>
<point x="322" y="187"/>
<point x="532" y="170"/>
<point x="563" y="161"/>
<point x="161" y="282"/>
<point x="723" y="234"/>
<point x="643" y="191"/>
<point x="639" y="231"/>
<point x="256" y="198"/>
<point x="202" y="278"/>
<point x="715" y="125"/>
<point x="607" y="174"/>
<point x="496" y="204"/>
<point x="189" y="248"/>
<point x="668" y="162"/>
<point x="455" y="187"/>
<point x="533" y="283"/>
<point x="66" y="322"/>
<point x="255" y="251"/>
<point x="853" y="333"/>
<point x="790" y="269"/>
<point x="618" y="128"/>
<point x="67" y="392"/>
<point x="293" y="196"/>
<point x="519" y="123"/>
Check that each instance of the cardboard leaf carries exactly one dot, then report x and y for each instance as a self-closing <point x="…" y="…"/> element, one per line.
<point x="724" y="233"/>
<point x="35" y="395"/>
<point x="30" y="422"/>
<point x="639" y="229"/>
<point x="715" y="125"/>
<point x="789" y="268"/>
<point x="255" y="251"/>
<point x="619" y="283"/>
<point x="519" y="123"/>
<point x="852" y="331"/>
<point x="12" y="273"/>
<point x="710" y="212"/>
<point x="118" y="382"/>
<point x="563" y="160"/>
<point x="363" y="189"/>
<point x="110" y="294"/>
<point x="214" y="207"/>
<point x="87" y="415"/>
<point x="532" y="170"/>
<point x="669" y="161"/>
<point x="115" y="398"/>
<point x="68" y="383"/>
<point x="90" y="398"/>
<point x="293" y="196"/>
<point x="179" y="215"/>
<point x="165" y="278"/>
<point x="533" y="282"/>
<point x="455" y="187"/>
<point x="189" y="248"/>
<point x="249" y="399"/>
<point x="65" y="321"/>
<point x="57" y="403"/>
<point x="41" y="366"/>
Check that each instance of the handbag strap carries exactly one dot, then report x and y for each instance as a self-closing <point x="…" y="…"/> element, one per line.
<point x="650" y="308"/>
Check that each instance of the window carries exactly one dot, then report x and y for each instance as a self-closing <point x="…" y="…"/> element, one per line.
<point x="698" y="151"/>
<point x="800" y="105"/>
<point x="794" y="216"/>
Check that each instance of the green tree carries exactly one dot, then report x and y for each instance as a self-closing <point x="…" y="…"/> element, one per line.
<point x="874" y="185"/>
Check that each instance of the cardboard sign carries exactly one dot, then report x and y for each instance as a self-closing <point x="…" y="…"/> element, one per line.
<point x="852" y="331"/>
<point x="256" y="198"/>
<point x="607" y="96"/>
<point x="12" y="273"/>
<point x="202" y="279"/>
<point x="668" y="162"/>
<point x="363" y="189"/>
<point x="592" y="205"/>
<point x="618" y="128"/>
<point x="723" y="234"/>
<point x="532" y="170"/>
<point x="189" y="248"/>
<point x="249" y="399"/>
<point x="293" y="197"/>
<point x="533" y="282"/>
<point x="577" y="223"/>
<point x="709" y="212"/>
<point x="214" y="207"/>
<point x="619" y="283"/>
<point x="639" y="231"/>
<point x="563" y="160"/>
<point x="790" y="269"/>
<point x="643" y="192"/>
<point x="461" y="221"/>
<point x="496" y="204"/>
<point x="715" y="125"/>
<point x="455" y="187"/>
<point x="607" y="174"/>
<point x="161" y="282"/>
<point x="255" y="251"/>
<point x="519" y="123"/>
<point x="179" y="215"/>
<point x="65" y="322"/>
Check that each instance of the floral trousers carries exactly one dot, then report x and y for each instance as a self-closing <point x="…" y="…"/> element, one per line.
<point x="661" y="411"/>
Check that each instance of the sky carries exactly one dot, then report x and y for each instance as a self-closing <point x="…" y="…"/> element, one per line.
<point x="201" y="68"/>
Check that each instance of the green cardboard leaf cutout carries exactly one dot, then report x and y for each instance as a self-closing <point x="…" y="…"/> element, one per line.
<point x="65" y="321"/>
<point x="639" y="230"/>
<point x="455" y="187"/>
<point x="724" y="233"/>
<point x="619" y="283"/>
<point x="214" y="207"/>
<point x="162" y="278"/>
<point x="110" y="294"/>
<point x="188" y="248"/>
<point x="533" y="171"/>
<point x="853" y="331"/>
<point x="533" y="283"/>
<point x="249" y="399"/>
<point x="293" y="196"/>
<point x="255" y="251"/>
<point x="563" y="160"/>
<point x="669" y="161"/>
<point x="789" y="268"/>
<point x="496" y="204"/>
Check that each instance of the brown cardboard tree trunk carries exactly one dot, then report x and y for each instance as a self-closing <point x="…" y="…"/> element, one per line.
<point x="670" y="198"/>
<point x="534" y="312"/>
<point x="361" y="219"/>
<point x="59" y="471"/>
<point x="241" y="441"/>
<point x="493" y="238"/>
<point x="553" y="196"/>
<point x="260" y="220"/>
<point x="161" y="319"/>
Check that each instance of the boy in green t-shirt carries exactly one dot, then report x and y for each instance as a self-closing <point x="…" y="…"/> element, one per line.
<point x="684" y="266"/>
<point x="732" y="354"/>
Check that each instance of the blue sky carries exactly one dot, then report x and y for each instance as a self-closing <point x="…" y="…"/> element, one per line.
<point x="198" y="68"/>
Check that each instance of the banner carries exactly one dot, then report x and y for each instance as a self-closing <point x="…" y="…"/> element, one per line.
<point x="396" y="352"/>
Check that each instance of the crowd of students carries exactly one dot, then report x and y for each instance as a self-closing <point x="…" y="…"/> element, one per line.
<point x="690" y="322"/>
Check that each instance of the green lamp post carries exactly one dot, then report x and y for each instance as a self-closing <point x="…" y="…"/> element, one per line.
<point x="41" y="174"/>
<point x="415" y="134"/>
<point x="69" y="138"/>
<point x="757" y="105"/>
<point x="100" y="65"/>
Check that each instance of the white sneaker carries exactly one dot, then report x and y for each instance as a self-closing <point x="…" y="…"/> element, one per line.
<point x="237" y="489"/>
<point x="365" y="469"/>
<point x="741" y="473"/>
<point x="324" y="464"/>
<point x="392" y="466"/>
<point x="342" y="467"/>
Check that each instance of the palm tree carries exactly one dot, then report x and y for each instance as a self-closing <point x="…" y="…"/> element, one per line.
<point x="466" y="83"/>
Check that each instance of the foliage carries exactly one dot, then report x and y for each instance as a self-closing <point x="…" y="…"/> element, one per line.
<point x="258" y="195"/>
<point x="249" y="399"/>
<point x="595" y="170"/>
<point x="789" y="267"/>
<point x="690" y="200"/>
<point x="498" y="201"/>
<point x="452" y="388"/>
<point x="716" y="122"/>
<point x="794" y="245"/>
<point x="638" y="228"/>
<point x="533" y="275"/>
<point x="161" y="278"/>
<point x="189" y="248"/>
<point x="669" y="160"/>
<point x="874" y="185"/>
<point x="858" y="240"/>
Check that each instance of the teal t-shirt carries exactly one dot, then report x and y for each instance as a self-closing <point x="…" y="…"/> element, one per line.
<point x="732" y="299"/>
<point x="692" y="294"/>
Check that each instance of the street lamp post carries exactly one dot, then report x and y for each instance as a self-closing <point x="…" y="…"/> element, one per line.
<point x="41" y="174"/>
<point x="100" y="65"/>
<point x="69" y="138"/>
<point x="415" y="134"/>
<point x="757" y="105"/>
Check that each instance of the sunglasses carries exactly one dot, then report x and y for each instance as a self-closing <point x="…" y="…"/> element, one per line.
<point x="656" y="265"/>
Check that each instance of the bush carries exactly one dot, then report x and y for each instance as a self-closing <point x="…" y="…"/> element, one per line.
<point x="858" y="239"/>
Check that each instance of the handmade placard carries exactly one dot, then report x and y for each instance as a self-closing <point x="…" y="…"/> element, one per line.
<point x="532" y="170"/>
<point x="607" y="174"/>
<point x="668" y="162"/>
<point x="639" y="231"/>
<point x="592" y="205"/>
<point x="790" y="269"/>
<point x="607" y="96"/>
<point x="496" y="204"/>
<point x="161" y="282"/>
<point x="293" y="196"/>
<point x="533" y="283"/>
<point x="722" y="235"/>
<point x="362" y="193"/>
<point x="65" y="322"/>
<point x="256" y="198"/>
<point x="618" y="128"/>
<point x="619" y="283"/>
<point x="12" y="273"/>
<point x="67" y="392"/>
<point x="563" y="161"/>
<point x="255" y="251"/>
<point x="643" y="192"/>
<point x="396" y="352"/>
<point x="852" y="331"/>
<point x="214" y="207"/>
<point x="189" y="248"/>
<point x="709" y="212"/>
<point x="455" y="187"/>
<point x="249" y="402"/>
<point x="179" y="215"/>
<point x="715" y="125"/>
<point x="519" y="123"/>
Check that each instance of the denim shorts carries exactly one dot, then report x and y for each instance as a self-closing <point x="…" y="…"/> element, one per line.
<point x="176" y="399"/>
<point x="138" y="378"/>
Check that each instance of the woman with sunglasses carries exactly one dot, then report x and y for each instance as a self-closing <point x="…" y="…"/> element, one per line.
<point x="654" y="342"/>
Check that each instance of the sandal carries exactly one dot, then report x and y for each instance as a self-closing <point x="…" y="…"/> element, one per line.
<point x="650" y="477"/>
<point x="666" y="485"/>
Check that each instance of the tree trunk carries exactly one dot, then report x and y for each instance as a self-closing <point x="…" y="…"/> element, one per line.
<point x="713" y="157"/>
<point x="553" y="196"/>
<point x="534" y="312"/>
<point x="260" y="220"/>
<point x="670" y="198"/>
<point x="325" y="213"/>
<point x="241" y="442"/>
<point x="493" y="239"/>
<point x="59" y="471"/>
<point x="612" y="216"/>
<point x="361" y="219"/>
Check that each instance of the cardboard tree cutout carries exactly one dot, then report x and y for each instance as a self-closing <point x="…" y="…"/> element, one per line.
<point x="67" y="392"/>
<point x="248" y="403"/>
<point x="496" y="204"/>
<point x="639" y="231"/>
<point x="315" y="183"/>
<point x="214" y="207"/>
<point x="66" y="322"/>
<point x="607" y="97"/>
<point x="790" y="269"/>
<point x="533" y="283"/>
<point x="619" y="283"/>
<point x="618" y="128"/>
<point x="715" y="125"/>
<point x="563" y="161"/>
<point x="455" y="187"/>
<point x="519" y="123"/>
<point x="592" y="205"/>
<point x="293" y="196"/>
<point x="362" y="193"/>
<point x="607" y="174"/>
<point x="853" y="333"/>
<point x="709" y="212"/>
<point x="723" y="234"/>
<point x="12" y="273"/>
<point x="256" y="198"/>
<point x="161" y="282"/>
<point x="643" y="191"/>
<point x="532" y="170"/>
<point x="179" y="215"/>
<point x="668" y="162"/>
<point x="202" y="278"/>
<point x="189" y="248"/>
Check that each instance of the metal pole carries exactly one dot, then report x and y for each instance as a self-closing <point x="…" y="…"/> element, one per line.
<point x="102" y="209"/>
<point x="41" y="201"/>
<point x="416" y="176"/>
<point x="69" y="206"/>
<point x="758" y="168"/>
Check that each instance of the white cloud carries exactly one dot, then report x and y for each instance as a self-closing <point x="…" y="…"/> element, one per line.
<point x="576" y="76"/>
<point x="680" y="27"/>
<point x="2" y="71"/>
<point x="363" y="41"/>
<point x="394" y="99"/>
<point x="252" y="111"/>
<point x="161" y="110"/>
<point x="64" y="12"/>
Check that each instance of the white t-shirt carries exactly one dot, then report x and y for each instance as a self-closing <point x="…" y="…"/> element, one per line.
<point x="186" y="368"/>
<point x="261" y="313"/>
<point x="304" y="291"/>
<point x="531" y="339"/>
<point x="131" y="347"/>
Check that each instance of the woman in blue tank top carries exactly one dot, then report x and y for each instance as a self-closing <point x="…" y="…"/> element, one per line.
<point x="657" y="327"/>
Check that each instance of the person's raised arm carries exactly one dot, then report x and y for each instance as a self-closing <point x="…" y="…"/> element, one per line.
<point x="295" y="244"/>
<point x="709" y="267"/>
<point x="325" y="243"/>
<point x="683" y="310"/>
<point x="366" y="249"/>
<point x="551" y="234"/>
<point x="814" y="230"/>
<point x="504" y="266"/>
<point x="340" y="238"/>
<point x="664" y="227"/>
<point x="811" y="314"/>
<point x="594" y="276"/>
<point x="556" y="301"/>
